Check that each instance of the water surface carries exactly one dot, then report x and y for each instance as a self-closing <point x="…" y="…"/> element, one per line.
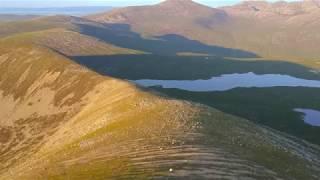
<point x="311" y="116"/>
<point x="231" y="81"/>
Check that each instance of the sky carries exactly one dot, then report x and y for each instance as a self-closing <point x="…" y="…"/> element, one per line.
<point x="68" y="3"/>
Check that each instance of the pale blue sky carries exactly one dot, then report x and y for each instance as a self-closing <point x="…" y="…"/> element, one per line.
<point x="67" y="3"/>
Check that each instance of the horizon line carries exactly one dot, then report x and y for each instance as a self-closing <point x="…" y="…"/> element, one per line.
<point x="227" y="3"/>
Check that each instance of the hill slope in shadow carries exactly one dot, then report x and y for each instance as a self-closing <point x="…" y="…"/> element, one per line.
<point x="270" y="30"/>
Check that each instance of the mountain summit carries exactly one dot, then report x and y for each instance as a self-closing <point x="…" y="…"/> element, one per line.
<point x="178" y="16"/>
<point x="179" y="3"/>
<point x="171" y="9"/>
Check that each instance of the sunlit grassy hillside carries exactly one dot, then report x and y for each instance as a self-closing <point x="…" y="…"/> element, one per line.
<point x="62" y="121"/>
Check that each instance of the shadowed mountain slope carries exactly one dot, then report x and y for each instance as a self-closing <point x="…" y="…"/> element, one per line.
<point x="270" y="30"/>
<point x="82" y="36"/>
<point x="149" y="66"/>
<point x="169" y="44"/>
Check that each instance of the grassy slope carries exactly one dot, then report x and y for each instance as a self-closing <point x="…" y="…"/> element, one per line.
<point x="97" y="127"/>
<point x="83" y="102"/>
<point x="291" y="38"/>
<point x="13" y="17"/>
<point x="273" y="107"/>
<point x="60" y="33"/>
<point x="37" y="96"/>
<point x="70" y="43"/>
<point x="43" y="23"/>
<point x="38" y="24"/>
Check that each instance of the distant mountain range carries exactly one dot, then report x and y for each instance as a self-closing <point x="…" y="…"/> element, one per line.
<point x="74" y="11"/>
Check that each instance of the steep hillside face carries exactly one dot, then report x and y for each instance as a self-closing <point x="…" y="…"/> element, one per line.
<point x="272" y="30"/>
<point x="37" y="94"/>
<point x="277" y="30"/>
<point x="41" y="90"/>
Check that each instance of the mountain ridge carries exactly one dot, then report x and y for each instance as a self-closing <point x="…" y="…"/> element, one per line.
<point x="280" y="8"/>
